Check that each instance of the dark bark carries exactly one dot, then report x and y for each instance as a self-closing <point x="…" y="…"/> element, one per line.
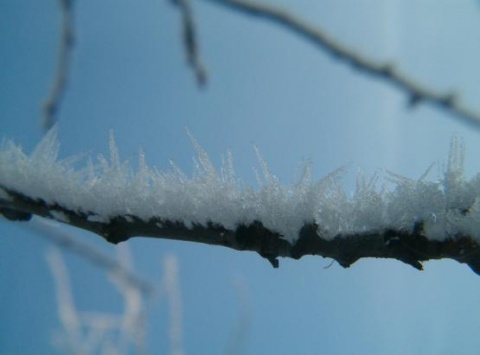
<point x="411" y="247"/>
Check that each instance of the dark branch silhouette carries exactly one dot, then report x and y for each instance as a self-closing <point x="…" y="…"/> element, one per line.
<point x="416" y="93"/>
<point x="411" y="247"/>
<point x="53" y="101"/>
<point x="190" y="41"/>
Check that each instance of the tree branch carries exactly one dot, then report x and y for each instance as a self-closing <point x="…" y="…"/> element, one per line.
<point x="93" y="255"/>
<point x="415" y="222"/>
<point x="190" y="41"/>
<point x="416" y="93"/>
<point x="67" y="37"/>
<point x="411" y="247"/>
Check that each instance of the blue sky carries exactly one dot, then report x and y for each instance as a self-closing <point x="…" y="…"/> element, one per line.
<point x="266" y="88"/>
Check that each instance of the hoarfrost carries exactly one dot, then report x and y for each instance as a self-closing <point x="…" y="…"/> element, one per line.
<point x="109" y="187"/>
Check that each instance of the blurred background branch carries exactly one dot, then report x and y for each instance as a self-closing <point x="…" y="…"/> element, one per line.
<point x="91" y="333"/>
<point x="57" y="235"/>
<point x="190" y="41"/>
<point x="86" y="332"/>
<point x="53" y="101"/>
<point x="174" y="299"/>
<point x="417" y="93"/>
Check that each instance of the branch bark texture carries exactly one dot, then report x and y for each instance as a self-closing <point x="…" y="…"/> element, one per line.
<point x="410" y="247"/>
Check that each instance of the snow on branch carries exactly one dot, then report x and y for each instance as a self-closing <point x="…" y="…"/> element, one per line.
<point x="408" y="220"/>
<point x="417" y="93"/>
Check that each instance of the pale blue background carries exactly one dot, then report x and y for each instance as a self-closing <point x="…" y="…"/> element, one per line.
<point x="267" y="88"/>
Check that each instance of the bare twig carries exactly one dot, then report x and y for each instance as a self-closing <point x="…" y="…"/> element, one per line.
<point x="57" y="91"/>
<point x="190" y="41"/>
<point x="417" y="93"/>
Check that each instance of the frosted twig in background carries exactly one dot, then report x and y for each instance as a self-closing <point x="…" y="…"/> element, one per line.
<point x="93" y="333"/>
<point x="66" y="308"/>
<point x="133" y="324"/>
<point x="417" y="93"/>
<point x="53" y="101"/>
<point x="190" y="41"/>
<point x="174" y="298"/>
<point x="238" y="339"/>
<point x="68" y="242"/>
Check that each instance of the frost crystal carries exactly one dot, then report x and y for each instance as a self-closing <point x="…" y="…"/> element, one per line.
<point x="110" y="188"/>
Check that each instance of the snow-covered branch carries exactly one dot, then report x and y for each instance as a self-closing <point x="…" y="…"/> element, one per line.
<point x="416" y="92"/>
<point x="412" y="220"/>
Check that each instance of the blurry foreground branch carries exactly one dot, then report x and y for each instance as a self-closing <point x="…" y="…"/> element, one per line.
<point x="416" y="92"/>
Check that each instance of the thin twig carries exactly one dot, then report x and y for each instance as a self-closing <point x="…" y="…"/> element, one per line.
<point x="53" y="101"/>
<point x="417" y="93"/>
<point x="237" y="341"/>
<point x="174" y="297"/>
<point x="89" y="332"/>
<point x="190" y="41"/>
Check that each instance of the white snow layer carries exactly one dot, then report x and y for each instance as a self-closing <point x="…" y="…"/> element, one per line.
<point x="109" y="188"/>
